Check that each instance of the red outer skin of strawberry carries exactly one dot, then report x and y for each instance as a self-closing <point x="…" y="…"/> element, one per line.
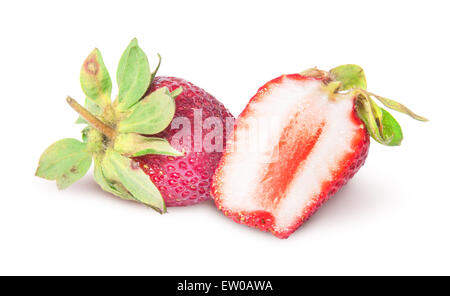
<point x="351" y="163"/>
<point x="185" y="180"/>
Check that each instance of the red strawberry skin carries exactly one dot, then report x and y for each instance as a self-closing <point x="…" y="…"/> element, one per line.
<point x="346" y="169"/>
<point x="185" y="180"/>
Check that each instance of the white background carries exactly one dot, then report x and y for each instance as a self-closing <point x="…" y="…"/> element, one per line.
<point x="393" y="218"/>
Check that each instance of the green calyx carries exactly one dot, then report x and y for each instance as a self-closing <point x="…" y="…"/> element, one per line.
<point x="116" y="131"/>
<point x="349" y="81"/>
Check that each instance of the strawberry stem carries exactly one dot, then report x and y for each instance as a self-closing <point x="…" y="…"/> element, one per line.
<point x="93" y="121"/>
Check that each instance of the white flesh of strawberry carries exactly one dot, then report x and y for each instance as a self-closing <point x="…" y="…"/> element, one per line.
<point x="300" y="105"/>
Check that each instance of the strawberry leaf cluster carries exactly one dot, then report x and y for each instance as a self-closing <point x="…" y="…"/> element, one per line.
<point x="116" y="130"/>
<point x="380" y="124"/>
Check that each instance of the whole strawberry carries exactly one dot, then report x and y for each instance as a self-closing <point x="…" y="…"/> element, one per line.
<point x="128" y="139"/>
<point x="320" y="125"/>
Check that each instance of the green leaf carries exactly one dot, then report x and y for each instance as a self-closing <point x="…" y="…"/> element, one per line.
<point x="124" y="58"/>
<point x="365" y="111"/>
<point x="95" y="80"/>
<point x="151" y="115"/>
<point x="398" y="107"/>
<point x="381" y="126"/>
<point x="65" y="161"/>
<point x="91" y="107"/>
<point x="133" y="145"/>
<point x="109" y="186"/>
<point x="351" y="76"/>
<point x="134" y="180"/>
<point x="391" y="129"/>
<point x="133" y="76"/>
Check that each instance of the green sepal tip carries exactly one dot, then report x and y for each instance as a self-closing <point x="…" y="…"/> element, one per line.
<point x="133" y="75"/>
<point x="65" y="161"/>
<point x="95" y="80"/>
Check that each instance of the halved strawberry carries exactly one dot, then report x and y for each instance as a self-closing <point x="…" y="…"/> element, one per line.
<point x="315" y="140"/>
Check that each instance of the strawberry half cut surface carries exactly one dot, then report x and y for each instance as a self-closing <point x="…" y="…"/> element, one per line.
<point x="297" y="142"/>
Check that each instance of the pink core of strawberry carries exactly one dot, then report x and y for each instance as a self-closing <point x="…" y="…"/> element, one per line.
<point x="292" y="155"/>
<point x="347" y="168"/>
